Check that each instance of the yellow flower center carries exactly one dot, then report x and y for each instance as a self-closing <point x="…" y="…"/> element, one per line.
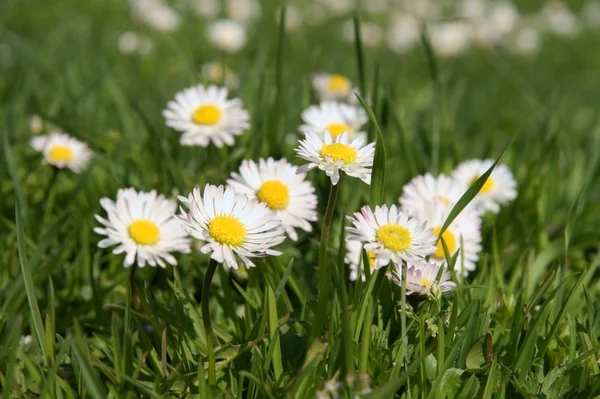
<point x="60" y="153"/>
<point x="144" y="232"/>
<point x="337" y="151"/>
<point x="487" y="186"/>
<point x="275" y="194"/>
<point x="338" y="84"/>
<point x="394" y="237"/>
<point x="335" y="129"/>
<point x="207" y="115"/>
<point x="425" y="282"/>
<point x="227" y="230"/>
<point x="450" y="240"/>
<point x="372" y="258"/>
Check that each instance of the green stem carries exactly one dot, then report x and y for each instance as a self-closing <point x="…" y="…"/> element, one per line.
<point x="403" y="320"/>
<point x="210" y="272"/>
<point x="324" y="282"/>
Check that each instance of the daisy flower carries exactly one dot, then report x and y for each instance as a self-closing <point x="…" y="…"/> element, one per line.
<point x="62" y="151"/>
<point x="421" y="277"/>
<point x="227" y="35"/>
<point x="426" y="188"/>
<point x="354" y="259"/>
<point x="204" y="114"/>
<point x="332" y="87"/>
<point x="336" y="118"/>
<point x="335" y="155"/>
<point x="499" y="189"/>
<point x="277" y="184"/>
<point x="231" y="225"/>
<point x="213" y="72"/>
<point x="391" y="234"/>
<point x="142" y="226"/>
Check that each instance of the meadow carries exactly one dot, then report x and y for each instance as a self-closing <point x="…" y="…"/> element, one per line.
<point x="89" y="309"/>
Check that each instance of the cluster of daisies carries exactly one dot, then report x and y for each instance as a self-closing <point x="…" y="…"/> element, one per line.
<point x="265" y="201"/>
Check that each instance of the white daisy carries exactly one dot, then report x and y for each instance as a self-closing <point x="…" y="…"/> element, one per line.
<point x="332" y="87"/>
<point x="227" y="35"/>
<point x="354" y="259"/>
<point x="277" y="184"/>
<point x="450" y="38"/>
<point x="62" y="151"/>
<point x="213" y="72"/>
<point x="334" y="117"/>
<point x="156" y="14"/>
<point x="426" y="188"/>
<point x="204" y="114"/>
<point x="143" y="226"/>
<point x="499" y="189"/>
<point x="421" y="277"/>
<point x="391" y="234"/>
<point x="231" y="225"/>
<point x="333" y="156"/>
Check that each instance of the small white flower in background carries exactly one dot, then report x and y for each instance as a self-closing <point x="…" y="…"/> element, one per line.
<point x="132" y="42"/>
<point x="559" y="19"/>
<point x="421" y="277"/>
<point x="499" y="189"/>
<point x="208" y="8"/>
<point x="204" y="114"/>
<point x="430" y="200"/>
<point x="227" y="35"/>
<point x="213" y="72"/>
<point x="142" y="226"/>
<point x="391" y="234"/>
<point x="335" y="155"/>
<point x="336" y="118"/>
<point x="450" y="38"/>
<point x="36" y="124"/>
<point x="371" y="34"/>
<point x="243" y="10"/>
<point x="472" y="9"/>
<point x="332" y="86"/>
<point x="354" y="259"/>
<point x="504" y="16"/>
<point x="62" y="151"/>
<point x="25" y="340"/>
<point x="403" y="34"/>
<point x="231" y="225"/>
<point x="277" y="184"/>
<point x="591" y="13"/>
<point x="293" y="18"/>
<point x="156" y="14"/>
<point x="526" y="41"/>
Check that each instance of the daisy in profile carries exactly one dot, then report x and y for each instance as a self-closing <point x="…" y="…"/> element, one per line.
<point x="499" y="189"/>
<point x="277" y="184"/>
<point x="332" y="87"/>
<point x="335" y="155"/>
<point x="213" y="72"/>
<point x="62" y="151"/>
<point x="141" y="225"/>
<point x="227" y="35"/>
<point x="231" y="225"/>
<point x="391" y="234"/>
<point x="336" y="118"/>
<point x="204" y="114"/>
<point x="421" y="277"/>
<point x="354" y="259"/>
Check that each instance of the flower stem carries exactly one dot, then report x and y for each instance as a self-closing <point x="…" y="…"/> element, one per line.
<point x="324" y="272"/>
<point x="210" y="272"/>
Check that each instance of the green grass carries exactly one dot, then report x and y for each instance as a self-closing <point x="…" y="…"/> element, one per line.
<point x="524" y="325"/>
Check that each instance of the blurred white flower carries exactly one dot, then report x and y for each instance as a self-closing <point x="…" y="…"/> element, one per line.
<point x="591" y="13"/>
<point x="371" y="34"/>
<point x="62" y="151"/>
<point x="243" y="10"/>
<point x="473" y="9"/>
<point x="132" y="42"/>
<point x="156" y="14"/>
<point x="526" y="41"/>
<point x="334" y="117"/>
<point x="208" y="8"/>
<point x="227" y="35"/>
<point x="450" y="38"/>
<point x="36" y="124"/>
<point x="293" y="18"/>
<point x="213" y="72"/>
<point x="504" y="16"/>
<point x="403" y="34"/>
<point x="559" y="19"/>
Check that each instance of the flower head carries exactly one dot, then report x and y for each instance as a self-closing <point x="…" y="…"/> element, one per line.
<point x="421" y="277"/>
<point x="141" y="225"/>
<point x="204" y="114"/>
<point x="335" y="155"/>
<point x="227" y="35"/>
<point x="213" y="72"/>
<point x="391" y="234"/>
<point x="62" y="151"/>
<point x="499" y="189"/>
<point x="334" y="117"/>
<point x="277" y="184"/>
<point x="332" y="87"/>
<point x="231" y="225"/>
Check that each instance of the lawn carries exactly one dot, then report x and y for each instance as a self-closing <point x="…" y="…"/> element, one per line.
<point x="487" y="291"/>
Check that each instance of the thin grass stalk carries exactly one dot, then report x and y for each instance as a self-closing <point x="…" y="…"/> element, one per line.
<point x="210" y="272"/>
